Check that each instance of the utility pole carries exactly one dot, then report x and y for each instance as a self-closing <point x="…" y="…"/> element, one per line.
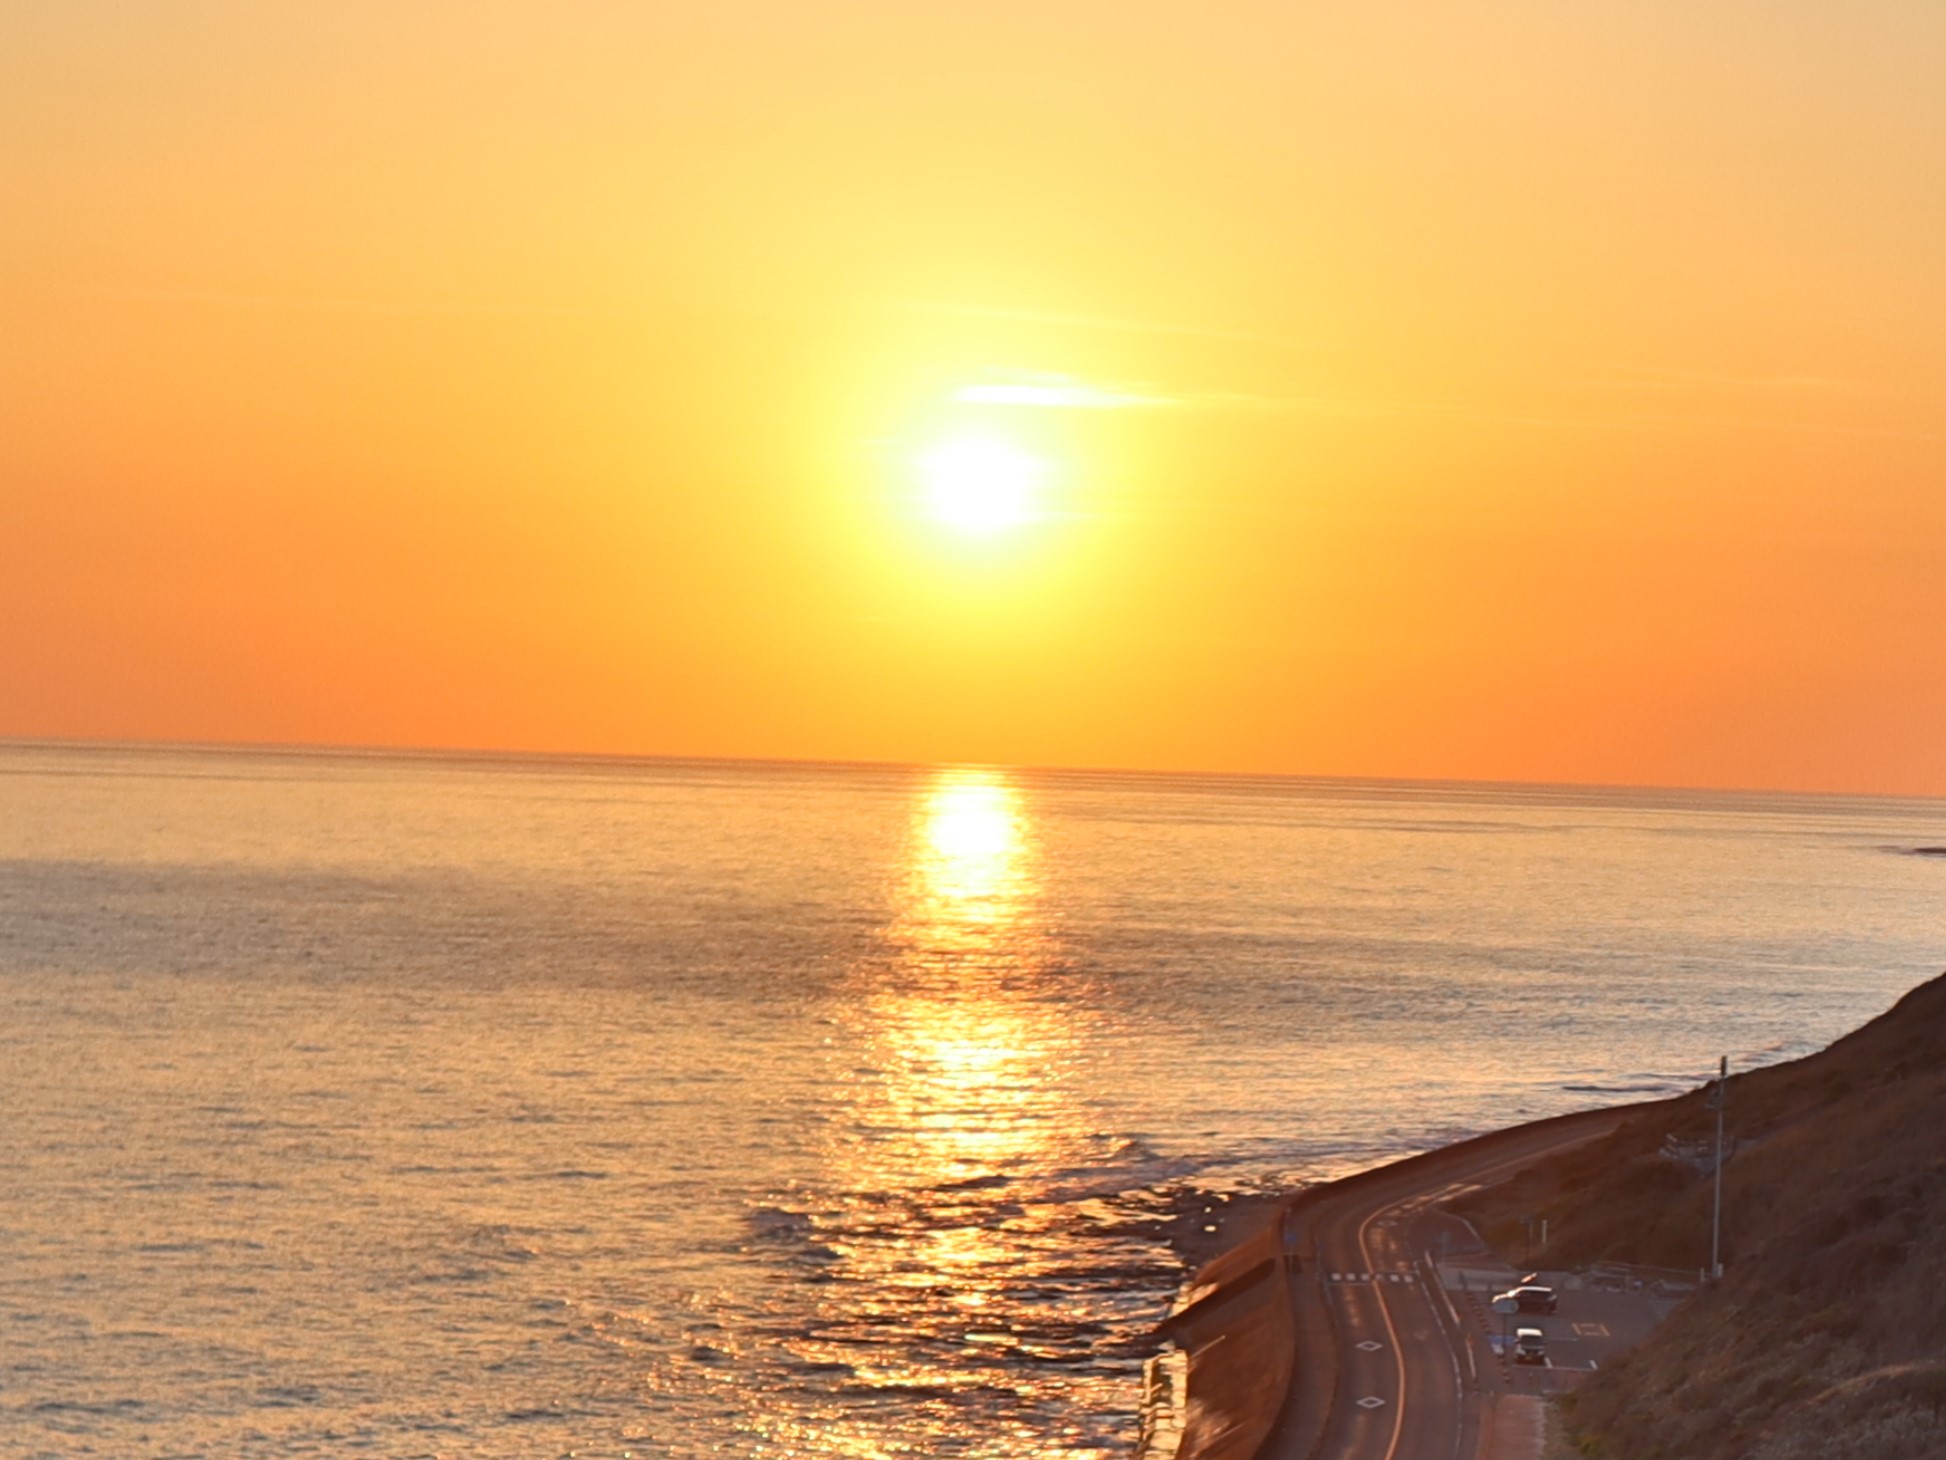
<point x="1716" y="1215"/>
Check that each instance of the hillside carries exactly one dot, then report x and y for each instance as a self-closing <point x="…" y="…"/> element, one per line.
<point x="1827" y="1336"/>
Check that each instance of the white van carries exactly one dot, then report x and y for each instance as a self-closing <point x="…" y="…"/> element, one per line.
<point x="1530" y="1346"/>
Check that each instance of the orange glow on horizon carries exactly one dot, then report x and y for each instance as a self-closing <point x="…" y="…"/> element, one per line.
<point x="1533" y="394"/>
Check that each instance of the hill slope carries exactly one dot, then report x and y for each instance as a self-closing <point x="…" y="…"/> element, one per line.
<point x="1827" y="1336"/>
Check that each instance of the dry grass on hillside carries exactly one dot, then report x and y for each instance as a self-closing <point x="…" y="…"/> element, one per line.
<point x="1827" y="1337"/>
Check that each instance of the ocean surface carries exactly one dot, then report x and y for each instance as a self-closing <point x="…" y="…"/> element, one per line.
<point x="415" y="1106"/>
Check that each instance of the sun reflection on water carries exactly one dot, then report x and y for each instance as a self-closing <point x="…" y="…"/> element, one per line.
<point x="955" y="1275"/>
<point x="972" y="860"/>
<point x="972" y="1046"/>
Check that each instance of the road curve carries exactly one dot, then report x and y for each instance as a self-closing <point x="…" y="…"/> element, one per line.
<point x="1398" y="1382"/>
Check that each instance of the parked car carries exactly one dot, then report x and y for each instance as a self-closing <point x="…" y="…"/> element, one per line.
<point x="1531" y="1298"/>
<point x="1530" y="1346"/>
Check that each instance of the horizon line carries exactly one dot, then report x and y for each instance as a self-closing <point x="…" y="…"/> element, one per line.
<point x="369" y="751"/>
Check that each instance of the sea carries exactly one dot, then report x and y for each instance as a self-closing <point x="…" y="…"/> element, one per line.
<point x="423" y="1105"/>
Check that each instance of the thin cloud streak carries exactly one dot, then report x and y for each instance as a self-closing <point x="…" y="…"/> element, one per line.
<point x="329" y="304"/>
<point x="1095" y="322"/>
<point x="1661" y="377"/>
<point x="1617" y="422"/>
<point x="1043" y="390"/>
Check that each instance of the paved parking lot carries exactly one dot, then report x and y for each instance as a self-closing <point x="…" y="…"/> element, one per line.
<point x="1594" y="1324"/>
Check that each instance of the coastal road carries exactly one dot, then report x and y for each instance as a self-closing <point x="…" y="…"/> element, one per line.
<point x="1408" y="1383"/>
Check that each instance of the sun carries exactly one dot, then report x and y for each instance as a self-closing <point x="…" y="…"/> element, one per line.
<point x="980" y="484"/>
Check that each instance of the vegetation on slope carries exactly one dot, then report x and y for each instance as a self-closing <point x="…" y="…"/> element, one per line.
<point x="1827" y="1336"/>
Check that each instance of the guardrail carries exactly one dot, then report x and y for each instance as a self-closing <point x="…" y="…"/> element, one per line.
<point x="1635" y="1275"/>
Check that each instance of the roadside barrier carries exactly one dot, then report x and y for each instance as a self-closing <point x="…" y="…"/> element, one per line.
<point x="1476" y="1304"/>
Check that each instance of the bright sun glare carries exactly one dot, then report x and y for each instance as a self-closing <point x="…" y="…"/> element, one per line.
<point x="979" y="484"/>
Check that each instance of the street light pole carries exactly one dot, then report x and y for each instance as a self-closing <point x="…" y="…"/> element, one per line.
<point x="1716" y="1215"/>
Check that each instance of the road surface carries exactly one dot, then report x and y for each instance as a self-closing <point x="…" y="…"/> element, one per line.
<point x="1385" y="1370"/>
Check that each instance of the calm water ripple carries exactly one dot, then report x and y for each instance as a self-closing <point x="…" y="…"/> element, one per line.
<point x="428" y="1106"/>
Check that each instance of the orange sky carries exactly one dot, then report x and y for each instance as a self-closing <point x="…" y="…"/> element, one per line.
<point x="1511" y="390"/>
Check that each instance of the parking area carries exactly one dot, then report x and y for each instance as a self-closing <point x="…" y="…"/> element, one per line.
<point x="1596" y="1321"/>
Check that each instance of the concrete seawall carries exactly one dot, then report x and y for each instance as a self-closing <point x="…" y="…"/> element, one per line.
<point x="1239" y="1332"/>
